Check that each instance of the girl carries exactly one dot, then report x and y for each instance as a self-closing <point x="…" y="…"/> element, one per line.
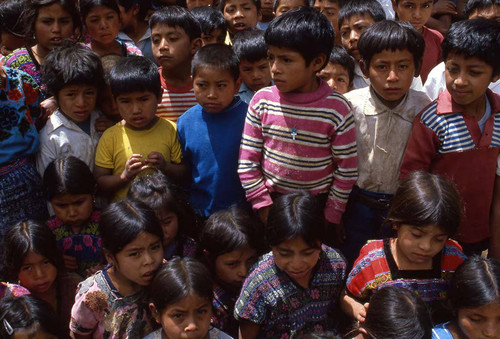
<point x="425" y="212"/>
<point x="31" y="259"/>
<point x="475" y="299"/>
<point x="292" y="289"/>
<point x="76" y="223"/>
<point x="184" y="308"/>
<point x="111" y="303"/>
<point x="102" y="21"/>
<point x="229" y="245"/>
<point x="28" y="317"/>
<point x="175" y="216"/>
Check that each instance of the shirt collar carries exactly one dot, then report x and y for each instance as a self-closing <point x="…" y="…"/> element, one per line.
<point x="58" y="119"/>
<point x="446" y="105"/>
<point x="374" y="105"/>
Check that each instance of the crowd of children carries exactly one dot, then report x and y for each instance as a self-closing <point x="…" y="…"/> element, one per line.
<point x="244" y="168"/>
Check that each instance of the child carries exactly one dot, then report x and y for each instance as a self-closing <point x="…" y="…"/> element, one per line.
<point x="295" y="288"/>
<point x="74" y="76"/>
<point x="280" y="7"/>
<point x="418" y="12"/>
<point x="175" y="35"/>
<point x="330" y="9"/>
<point x="112" y="303"/>
<point x="251" y="49"/>
<point x="391" y="55"/>
<point x="425" y="212"/>
<point x="460" y="127"/>
<point x="475" y="298"/>
<point x="76" y="223"/>
<point x="229" y="245"/>
<point x="339" y="72"/>
<point x="102" y="22"/>
<point x="266" y="8"/>
<point x="32" y="260"/>
<point x="210" y="132"/>
<point x="298" y="134"/>
<point x="240" y="15"/>
<point x="212" y="23"/>
<point x="173" y="213"/>
<point x="141" y="140"/>
<point x="11" y="27"/>
<point x="184" y="308"/>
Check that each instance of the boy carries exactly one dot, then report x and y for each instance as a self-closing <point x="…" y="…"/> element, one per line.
<point x="280" y="7"/>
<point x="330" y="9"/>
<point x="458" y="135"/>
<point x="266" y="7"/>
<point x="74" y="76"/>
<point x="418" y="12"/>
<point x="212" y="24"/>
<point x="339" y="72"/>
<point x="210" y="132"/>
<point x="240" y="15"/>
<point x="251" y="49"/>
<point x="391" y="56"/>
<point x="175" y="35"/>
<point x="299" y="134"/>
<point x="141" y="140"/>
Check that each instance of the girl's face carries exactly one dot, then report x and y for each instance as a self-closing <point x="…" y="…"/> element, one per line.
<point x="480" y="322"/>
<point x="231" y="268"/>
<point x="73" y="209"/>
<point x="103" y="24"/>
<point x="416" y="246"/>
<point x="53" y="24"/>
<point x="169" y="225"/>
<point x="297" y="259"/>
<point x="37" y="273"/>
<point x="187" y="318"/>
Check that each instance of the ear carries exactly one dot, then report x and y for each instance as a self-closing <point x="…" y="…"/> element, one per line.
<point x="155" y="313"/>
<point x="318" y="62"/>
<point x="238" y="84"/>
<point x="110" y="258"/>
<point x="135" y="9"/>
<point x="195" y="46"/>
<point x="364" y="68"/>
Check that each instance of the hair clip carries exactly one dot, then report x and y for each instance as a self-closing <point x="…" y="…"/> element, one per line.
<point x="7" y="327"/>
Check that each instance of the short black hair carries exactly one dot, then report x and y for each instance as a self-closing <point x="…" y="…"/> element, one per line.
<point x="210" y="19"/>
<point x="391" y="35"/>
<point x="10" y="17"/>
<point x="134" y="74"/>
<point x="306" y="4"/>
<point x="340" y="56"/>
<point x="217" y="56"/>
<point x="222" y="4"/>
<point x="304" y="30"/>
<point x="361" y="7"/>
<point x="476" y="38"/>
<point x="87" y="5"/>
<point x="144" y="7"/>
<point x="176" y="16"/>
<point x="72" y="64"/>
<point x="250" y="45"/>
<point x="472" y="5"/>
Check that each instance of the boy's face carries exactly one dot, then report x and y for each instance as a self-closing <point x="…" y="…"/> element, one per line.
<point x="214" y="89"/>
<point x="391" y="74"/>
<point x="172" y="47"/>
<point x="197" y="3"/>
<point x="77" y="101"/>
<point x="266" y="6"/>
<point x="290" y="72"/>
<point x="287" y="5"/>
<point x="255" y="75"/>
<point x="138" y="109"/>
<point x="217" y="36"/>
<point x="330" y="10"/>
<point x="416" y="12"/>
<point x="127" y="18"/>
<point x="337" y="77"/>
<point x="467" y="80"/>
<point x="103" y="24"/>
<point x="490" y="13"/>
<point x="350" y="31"/>
<point x="241" y="15"/>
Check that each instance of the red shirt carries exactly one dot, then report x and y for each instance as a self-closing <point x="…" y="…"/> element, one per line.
<point x="432" y="52"/>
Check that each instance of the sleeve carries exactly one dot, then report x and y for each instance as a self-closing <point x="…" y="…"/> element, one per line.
<point x="251" y="304"/>
<point x="249" y="164"/>
<point x="84" y="321"/>
<point x="104" y="152"/>
<point x="33" y="97"/>
<point x="362" y="276"/>
<point x="176" y="153"/>
<point x="46" y="153"/>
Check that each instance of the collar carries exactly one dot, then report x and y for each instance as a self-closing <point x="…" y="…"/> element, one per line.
<point x="244" y="89"/>
<point x="123" y="36"/>
<point x="58" y="119"/>
<point x="374" y="106"/>
<point x="321" y="92"/>
<point x="446" y="105"/>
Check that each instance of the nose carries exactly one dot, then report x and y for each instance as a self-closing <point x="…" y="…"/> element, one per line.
<point x="417" y="14"/>
<point x="72" y="211"/>
<point x="460" y="80"/>
<point x="353" y="35"/>
<point x="103" y="24"/>
<point x="80" y="100"/>
<point x="212" y="92"/>
<point x="490" y="330"/>
<point x="393" y="75"/>
<point x="242" y="270"/>
<point x="331" y="83"/>
<point x="425" y="244"/>
<point x="239" y="13"/>
<point x="274" y="67"/>
<point x="56" y="27"/>
<point x="191" y="325"/>
<point x="256" y="74"/>
<point x="39" y="273"/>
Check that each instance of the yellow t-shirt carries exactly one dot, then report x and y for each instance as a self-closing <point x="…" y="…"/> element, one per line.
<point x="118" y="143"/>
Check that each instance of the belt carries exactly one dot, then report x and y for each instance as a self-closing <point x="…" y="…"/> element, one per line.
<point x="377" y="203"/>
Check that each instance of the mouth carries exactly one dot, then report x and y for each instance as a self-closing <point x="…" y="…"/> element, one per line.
<point x="211" y="106"/>
<point x="43" y="287"/>
<point x="240" y="26"/>
<point x="297" y="274"/>
<point x="148" y="276"/>
<point x="392" y="90"/>
<point x="138" y="121"/>
<point x="56" y="41"/>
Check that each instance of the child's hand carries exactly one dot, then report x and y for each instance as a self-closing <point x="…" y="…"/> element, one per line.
<point x="353" y="308"/>
<point x="70" y="262"/>
<point x="444" y="7"/>
<point x="134" y="166"/>
<point x="102" y="124"/>
<point x="264" y="214"/>
<point x="156" y="160"/>
<point x="47" y="107"/>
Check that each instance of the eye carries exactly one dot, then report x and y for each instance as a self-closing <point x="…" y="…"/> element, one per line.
<point x="202" y="311"/>
<point x="156" y="247"/>
<point x="26" y="268"/>
<point x="284" y="254"/>
<point x="47" y="262"/>
<point x="340" y="80"/>
<point x="452" y="69"/>
<point x="66" y="21"/>
<point x="133" y="254"/>
<point x="177" y="315"/>
<point x="221" y="86"/>
<point x="475" y="73"/>
<point x="416" y="235"/>
<point x="381" y="67"/>
<point x="403" y="67"/>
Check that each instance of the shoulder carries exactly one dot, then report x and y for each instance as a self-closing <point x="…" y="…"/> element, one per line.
<point x="266" y="94"/>
<point x="110" y="133"/>
<point x="262" y="273"/>
<point x="441" y="331"/>
<point x="418" y="100"/>
<point x="192" y="113"/>
<point x="432" y="34"/>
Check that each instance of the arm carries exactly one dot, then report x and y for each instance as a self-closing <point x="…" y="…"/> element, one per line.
<point x="248" y="330"/>
<point x="494" y="250"/>
<point x="352" y="307"/>
<point x="108" y="183"/>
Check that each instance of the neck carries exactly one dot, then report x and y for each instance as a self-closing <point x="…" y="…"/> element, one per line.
<point x="124" y="286"/>
<point x="40" y="53"/>
<point x="177" y="78"/>
<point x="477" y="108"/>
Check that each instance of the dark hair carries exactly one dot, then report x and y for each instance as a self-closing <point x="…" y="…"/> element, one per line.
<point x="472" y="5"/>
<point x="72" y="64"/>
<point x="396" y="312"/>
<point x="424" y="199"/>
<point x="304" y="30"/>
<point x="28" y="314"/>
<point x="391" y="35"/>
<point x="276" y="3"/>
<point x="226" y="231"/>
<point x="210" y="19"/>
<point x="122" y="221"/>
<point x="24" y="237"/>
<point x="340" y="56"/>
<point x="371" y="8"/>
<point x="250" y="45"/>
<point x="87" y="5"/>
<point x="222" y="4"/>
<point x="217" y="56"/>
<point x="182" y="277"/>
<point x="144" y="7"/>
<point x="476" y="38"/>
<point x="475" y="283"/>
<point x="135" y="74"/>
<point x="295" y="215"/>
<point x="176" y="16"/>
<point x="11" y="17"/>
